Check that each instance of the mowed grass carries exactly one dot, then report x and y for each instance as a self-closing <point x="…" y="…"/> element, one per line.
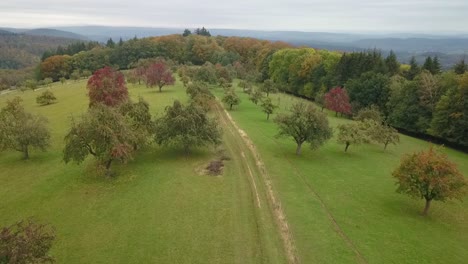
<point x="342" y="205"/>
<point x="158" y="209"/>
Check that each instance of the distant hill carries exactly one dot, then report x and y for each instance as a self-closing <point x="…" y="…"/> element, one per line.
<point x="54" y="33"/>
<point x="19" y="50"/>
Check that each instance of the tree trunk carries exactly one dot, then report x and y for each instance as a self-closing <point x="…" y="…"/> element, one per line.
<point x="336" y="114"/>
<point x="426" y="208"/>
<point x="298" y="149"/>
<point x="347" y="146"/>
<point x="25" y="152"/>
<point x="108" y="164"/>
<point x="268" y="94"/>
<point x="385" y="147"/>
<point x="230" y="107"/>
<point x="268" y="116"/>
<point x="160" y="88"/>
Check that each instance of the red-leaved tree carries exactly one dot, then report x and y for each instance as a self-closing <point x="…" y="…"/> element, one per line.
<point x="158" y="74"/>
<point x="107" y="87"/>
<point x="337" y="100"/>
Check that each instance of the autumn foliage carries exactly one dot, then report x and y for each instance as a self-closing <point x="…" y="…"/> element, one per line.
<point x="430" y="175"/>
<point x="158" y="74"/>
<point x="337" y="100"/>
<point x="107" y="87"/>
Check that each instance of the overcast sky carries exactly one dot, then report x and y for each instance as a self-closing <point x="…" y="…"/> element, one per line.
<point x="305" y="15"/>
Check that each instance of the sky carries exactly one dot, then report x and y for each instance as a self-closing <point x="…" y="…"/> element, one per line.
<point x="301" y="15"/>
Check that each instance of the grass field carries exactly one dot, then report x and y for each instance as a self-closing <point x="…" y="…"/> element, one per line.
<point x="343" y="208"/>
<point x="159" y="209"/>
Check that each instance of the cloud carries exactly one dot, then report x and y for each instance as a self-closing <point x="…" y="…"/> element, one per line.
<point x="312" y="15"/>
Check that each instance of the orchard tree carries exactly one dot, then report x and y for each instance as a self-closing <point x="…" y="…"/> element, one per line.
<point x="107" y="87"/>
<point x="159" y="74"/>
<point x="20" y="130"/>
<point x="26" y="242"/>
<point x="337" y="100"/>
<point x="269" y="87"/>
<point x="384" y="134"/>
<point x="246" y="86"/>
<point x="431" y="176"/>
<point x="200" y="95"/>
<point x="102" y="132"/>
<point x="46" y="98"/>
<point x="230" y="98"/>
<point x="63" y="80"/>
<point x="48" y="81"/>
<point x="139" y="119"/>
<point x="268" y="107"/>
<point x="255" y="96"/>
<point x="354" y="133"/>
<point x="31" y="84"/>
<point x="304" y="124"/>
<point x="371" y="113"/>
<point x="186" y="126"/>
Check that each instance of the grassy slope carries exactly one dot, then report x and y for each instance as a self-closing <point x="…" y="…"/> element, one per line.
<point x="357" y="190"/>
<point x="158" y="210"/>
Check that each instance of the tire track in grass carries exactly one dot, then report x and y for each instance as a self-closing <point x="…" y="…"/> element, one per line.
<point x="278" y="213"/>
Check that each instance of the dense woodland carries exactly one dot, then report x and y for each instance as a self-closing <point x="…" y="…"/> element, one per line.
<point x="420" y="99"/>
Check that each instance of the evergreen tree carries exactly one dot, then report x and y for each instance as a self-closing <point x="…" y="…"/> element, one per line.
<point x="414" y="69"/>
<point x="187" y="33"/>
<point x="120" y="42"/>
<point x="110" y="43"/>
<point x="393" y="66"/>
<point x="428" y="64"/>
<point x="436" y="68"/>
<point x="460" y="67"/>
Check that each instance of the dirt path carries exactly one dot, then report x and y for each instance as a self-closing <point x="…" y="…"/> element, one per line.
<point x="274" y="203"/>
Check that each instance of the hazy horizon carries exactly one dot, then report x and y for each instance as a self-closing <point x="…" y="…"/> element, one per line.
<point x="338" y="16"/>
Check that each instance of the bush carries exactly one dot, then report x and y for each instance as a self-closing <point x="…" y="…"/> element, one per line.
<point x="46" y="98"/>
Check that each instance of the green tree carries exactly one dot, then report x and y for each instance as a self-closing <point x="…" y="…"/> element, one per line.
<point x="187" y="33"/>
<point x="414" y="69"/>
<point x="372" y="113"/>
<point x="110" y="43"/>
<point x="31" y="84"/>
<point x="436" y="68"/>
<point x="431" y="176"/>
<point x="26" y="242"/>
<point x="460" y="67"/>
<point x="48" y="81"/>
<point x="369" y="89"/>
<point x="304" y="124"/>
<point x="428" y="64"/>
<point x="139" y="118"/>
<point x="255" y="96"/>
<point x="384" y="134"/>
<point x="63" y="80"/>
<point x="268" y="107"/>
<point x="20" y="130"/>
<point x="269" y="87"/>
<point x="246" y="86"/>
<point x="102" y="132"/>
<point x="393" y="66"/>
<point x="450" y="118"/>
<point x="46" y="98"/>
<point x="230" y="98"/>
<point x="188" y="126"/>
<point x="354" y="133"/>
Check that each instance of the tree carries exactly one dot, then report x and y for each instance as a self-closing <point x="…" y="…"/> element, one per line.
<point x="354" y="133"/>
<point x="414" y="69"/>
<point x="48" y="81"/>
<point x="268" y="87"/>
<point x="188" y="126"/>
<point x="200" y="95"/>
<point x="20" y="130"/>
<point x="46" y="98"/>
<point x="31" y="84"/>
<point x="369" y="89"/>
<point x="393" y="66"/>
<point x="63" y="80"/>
<point x="450" y="118"/>
<point x="428" y="64"/>
<point x="139" y="119"/>
<point x="75" y="75"/>
<point x="337" y="100"/>
<point x="107" y="86"/>
<point x="26" y="242"/>
<point x="384" y="134"/>
<point x="436" y="68"/>
<point x="429" y="175"/>
<point x="255" y="96"/>
<point x="371" y="113"/>
<point x="187" y="33"/>
<point x="246" y="86"/>
<point x="110" y="43"/>
<point x="102" y="132"/>
<point x="268" y="107"/>
<point x="230" y="98"/>
<point x="304" y="124"/>
<point x="460" y="67"/>
<point x="159" y="74"/>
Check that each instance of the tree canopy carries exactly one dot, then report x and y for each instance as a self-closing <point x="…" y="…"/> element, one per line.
<point x="107" y="87"/>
